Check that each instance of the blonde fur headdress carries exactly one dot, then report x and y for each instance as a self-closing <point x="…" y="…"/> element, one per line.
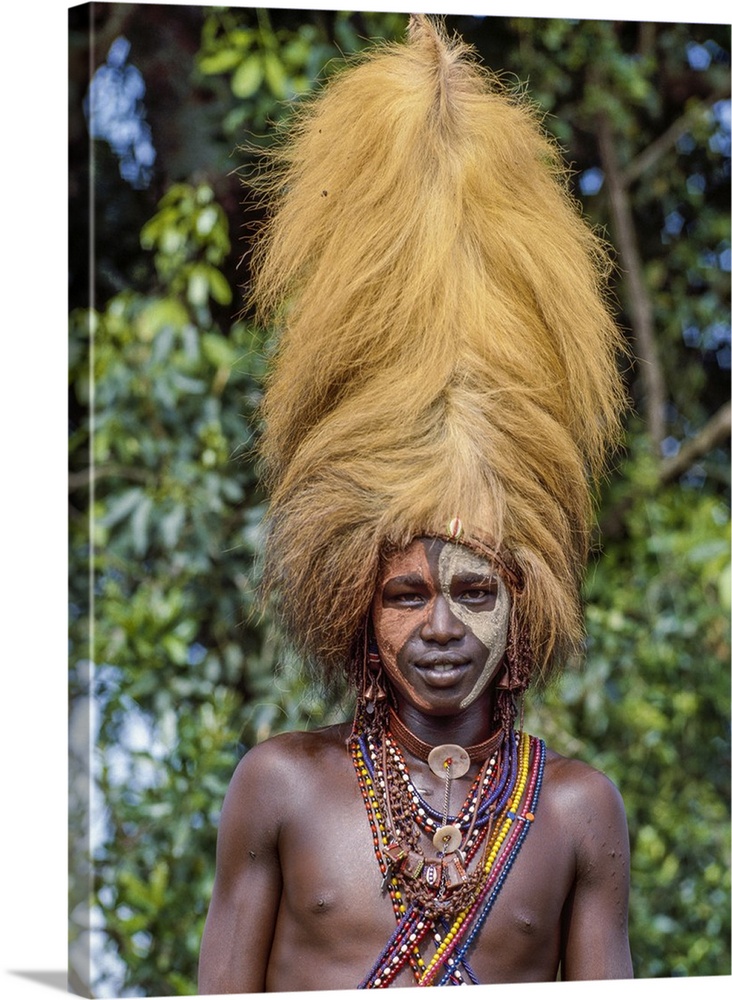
<point x="445" y="345"/>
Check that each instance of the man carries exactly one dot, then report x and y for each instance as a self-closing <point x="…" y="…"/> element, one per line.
<point x="445" y="384"/>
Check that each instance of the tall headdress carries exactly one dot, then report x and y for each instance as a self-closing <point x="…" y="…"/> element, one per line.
<point x="445" y="348"/>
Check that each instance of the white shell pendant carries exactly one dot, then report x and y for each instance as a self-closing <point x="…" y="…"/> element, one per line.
<point x="447" y="839"/>
<point x="448" y="754"/>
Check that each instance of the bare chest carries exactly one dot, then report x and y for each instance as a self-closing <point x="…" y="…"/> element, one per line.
<point x="336" y="902"/>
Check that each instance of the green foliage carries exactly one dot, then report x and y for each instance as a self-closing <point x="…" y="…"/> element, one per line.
<point x="651" y="708"/>
<point x="166" y="508"/>
<point x="173" y="531"/>
<point x="267" y="65"/>
<point x="665" y="122"/>
<point x="165" y="799"/>
<point x="190" y="239"/>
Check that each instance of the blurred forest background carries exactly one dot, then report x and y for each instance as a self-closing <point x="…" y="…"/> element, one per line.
<point x="173" y="673"/>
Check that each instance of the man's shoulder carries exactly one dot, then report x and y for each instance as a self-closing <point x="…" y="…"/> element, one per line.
<point x="274" y="775"/>
<point x="291" y="756"/>
<point x="585" y="813"/>
<point x="580" y="795"/>
<point x="572" y="776"/>
<point x="299" y="742"/>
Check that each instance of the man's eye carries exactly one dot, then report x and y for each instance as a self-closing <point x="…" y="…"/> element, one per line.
<point x="480" y="595"/>
<point x="409" y="598"/>
<point x="406" y="598"/>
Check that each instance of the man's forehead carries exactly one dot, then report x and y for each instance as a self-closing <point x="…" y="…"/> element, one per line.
<point x="437" y="557"/>
<point x="413" y="559"/>
<point x="458" y="560"/>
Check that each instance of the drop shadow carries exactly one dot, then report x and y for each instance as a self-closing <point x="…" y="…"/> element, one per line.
<point x="53" y="979"/>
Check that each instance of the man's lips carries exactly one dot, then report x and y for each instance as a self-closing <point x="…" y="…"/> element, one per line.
<point x="441" y="659"/>
<point x="441" y="668"/>
<point x="442" y="673"/>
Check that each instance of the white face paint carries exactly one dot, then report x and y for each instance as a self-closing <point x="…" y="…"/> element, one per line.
<point x="489" y="626"/>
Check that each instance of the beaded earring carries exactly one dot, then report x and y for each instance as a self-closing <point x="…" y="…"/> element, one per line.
<point x="516" y="676"/>
<point x="373" y="689"/>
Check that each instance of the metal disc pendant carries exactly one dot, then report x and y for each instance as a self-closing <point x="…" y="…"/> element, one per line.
<point x="451" y="753"/>
<point x="447" y="839"/>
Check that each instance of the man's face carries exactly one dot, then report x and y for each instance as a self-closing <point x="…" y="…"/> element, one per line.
<point x="440" y="616"/>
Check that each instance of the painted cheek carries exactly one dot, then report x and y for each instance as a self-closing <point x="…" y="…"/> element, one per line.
<point x="393" y="632"/>
<point x="392" y="626"/>
<point x="492" y="632"/>
<point x="490" y="627"/>
<point x="393" y="629"/>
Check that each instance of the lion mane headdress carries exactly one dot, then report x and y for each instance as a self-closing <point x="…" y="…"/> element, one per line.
<point x="445" y="346"/>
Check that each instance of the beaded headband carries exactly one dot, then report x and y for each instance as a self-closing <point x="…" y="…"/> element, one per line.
<point x="487" y="550"/>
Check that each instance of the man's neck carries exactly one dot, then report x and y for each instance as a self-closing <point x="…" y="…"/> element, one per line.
<point x="471" y="726"/>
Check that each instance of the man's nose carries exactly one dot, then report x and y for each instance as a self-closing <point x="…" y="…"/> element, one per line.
<point x="442" y="625"/>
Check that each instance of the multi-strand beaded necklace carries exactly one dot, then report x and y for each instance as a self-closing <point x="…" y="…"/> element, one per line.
<point x="449" y="896"/>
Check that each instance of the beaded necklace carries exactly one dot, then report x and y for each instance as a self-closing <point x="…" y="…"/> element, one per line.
<point x="407" y="813"/>
<point x="477" y="754"/>
<point x="453" y="900"/>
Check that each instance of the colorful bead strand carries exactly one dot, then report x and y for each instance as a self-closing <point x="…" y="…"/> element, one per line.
<point x="492" y="870"/>
<point x="532" y="798"/>
<point x="406" y="928"/>
<point x="463" y="919"/>
<point x="495" y="798"/>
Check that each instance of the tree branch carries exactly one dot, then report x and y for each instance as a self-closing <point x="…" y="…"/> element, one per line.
<point x="651" y="154"/>
<point x="85" y="477"/>
<point x="714" y="432"/>
<point x="639" y="302"/>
